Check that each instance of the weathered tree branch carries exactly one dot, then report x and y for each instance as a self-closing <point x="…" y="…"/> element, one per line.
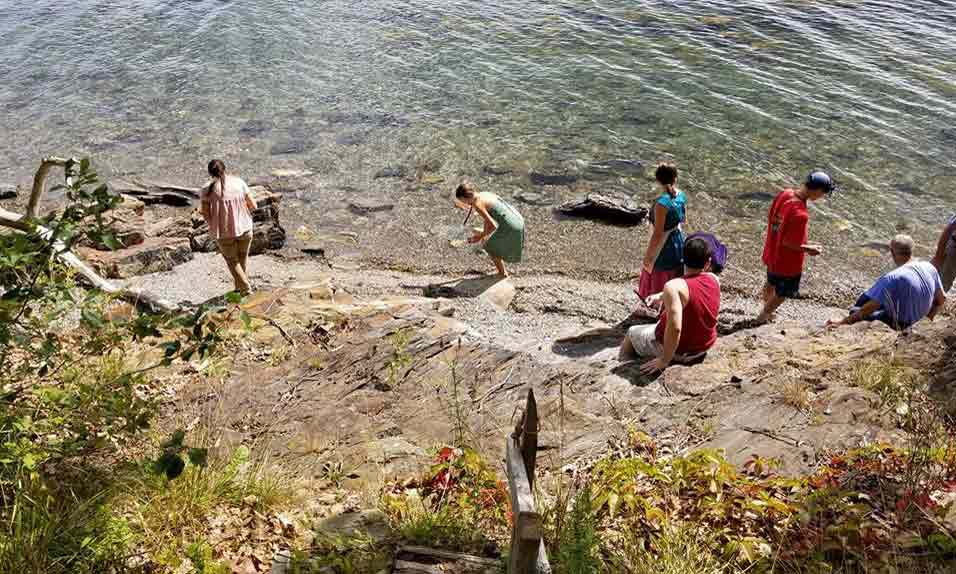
<point x="25" y="224"/>
<point x="39" y="183"/>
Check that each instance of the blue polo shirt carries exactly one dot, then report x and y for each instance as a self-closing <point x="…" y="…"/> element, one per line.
<point x="907" y="292"/>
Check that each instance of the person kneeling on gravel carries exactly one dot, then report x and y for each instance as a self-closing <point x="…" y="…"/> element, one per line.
<point x="687" y="326"/>
<point x="904" y="295"/>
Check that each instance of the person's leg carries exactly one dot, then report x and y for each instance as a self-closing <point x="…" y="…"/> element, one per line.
<point x="780" y="289"/>
<point x="242" y="256"/>
<point x="770" y="308"/>
<point x="879" y="315"/>
<point x="228" y="248"/>
<point x="640" y="341"/>
<point x="948" y="271"/>
<point x="627" y="352"/>
<point x="242" y="249"/>
<point x="500" y="266"/>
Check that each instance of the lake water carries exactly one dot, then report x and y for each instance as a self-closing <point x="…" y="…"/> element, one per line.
<point x="745" y="95"/>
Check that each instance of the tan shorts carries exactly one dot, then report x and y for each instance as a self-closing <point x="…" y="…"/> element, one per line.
<point x="644" y="340"/>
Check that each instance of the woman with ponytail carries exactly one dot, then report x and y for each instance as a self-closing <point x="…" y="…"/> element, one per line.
<point x="227" y="206"/>
<point x="663" y="259"/>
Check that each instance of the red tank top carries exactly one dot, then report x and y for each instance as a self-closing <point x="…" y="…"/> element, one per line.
<point x="699" y="324"/>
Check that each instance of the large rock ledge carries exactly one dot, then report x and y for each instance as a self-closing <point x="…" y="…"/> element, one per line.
<point x="377" y="383"/>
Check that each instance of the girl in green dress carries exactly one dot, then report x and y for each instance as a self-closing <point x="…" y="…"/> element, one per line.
<point x="503" y="233"/>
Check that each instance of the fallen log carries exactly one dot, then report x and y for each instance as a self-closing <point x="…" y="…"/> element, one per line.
<point x="26" y="224"/>
<point x="157" y="193"/>
<point x="604" y="208"/>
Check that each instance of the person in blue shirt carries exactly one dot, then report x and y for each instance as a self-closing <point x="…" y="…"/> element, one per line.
<point x="903" y="296"/>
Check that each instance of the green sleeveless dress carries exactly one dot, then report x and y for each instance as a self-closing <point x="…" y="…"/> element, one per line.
<point x="508" y="241"/>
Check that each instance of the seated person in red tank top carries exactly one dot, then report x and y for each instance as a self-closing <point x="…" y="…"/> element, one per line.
<point x="687" y="326"/>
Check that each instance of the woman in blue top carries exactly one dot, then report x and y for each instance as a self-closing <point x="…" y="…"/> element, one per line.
<point x="663" y="259"/>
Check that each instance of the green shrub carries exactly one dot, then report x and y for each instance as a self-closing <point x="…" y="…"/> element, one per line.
<point x="578" y="544"/>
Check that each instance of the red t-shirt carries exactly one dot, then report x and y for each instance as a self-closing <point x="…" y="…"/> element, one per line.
<point x="699" y="318"/>
<point x="787" y="223"/>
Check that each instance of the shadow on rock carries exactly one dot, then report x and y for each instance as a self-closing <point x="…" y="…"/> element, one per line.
<point x="631" y="371"/>
<point x="497" y="290"/>
<point x="596" y="340"/>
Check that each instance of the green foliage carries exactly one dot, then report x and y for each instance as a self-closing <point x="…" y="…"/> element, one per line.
<point x="859" y="508"/>
<point x="54" y="533"/>
<point x="578" y="544"/>
<point x="74" y="384"/>
<point x="201" y="555"/>
<point x="172" y="514"/>
<point x="354" y="553"/>
<point x="171" y="463"/>
<point x="400" y="360"/>
<point x="460" y="504"/>
<point x="678" y="549"/>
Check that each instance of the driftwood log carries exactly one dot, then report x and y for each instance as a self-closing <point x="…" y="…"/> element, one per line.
<point x="603" y="208"/>
<point x="26" y="223"/>
<point x="157" y="193"/>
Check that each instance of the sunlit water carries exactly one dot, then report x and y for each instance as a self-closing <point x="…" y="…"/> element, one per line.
<point x="746" y="96"/>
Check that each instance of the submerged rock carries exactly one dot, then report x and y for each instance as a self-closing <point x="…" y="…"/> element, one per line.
<point x="8" y="192"/>
<point x="367" y="206"/>
<point x="617" y="167"/>
<point x="552" y="178"/>
<point x="391" y="171"/>
<point x="294" y="146"/>
<point x="761" y="196"/>
<point x="604" y="208"/>
<point x="496" y="170"/>
<point x="350" y="139"/>
<point x="255" y="128"/>
<point x="539" y="198"/>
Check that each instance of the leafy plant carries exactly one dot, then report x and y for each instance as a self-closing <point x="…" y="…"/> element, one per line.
<point x="401" y="358"/>
<point x="578" y="544"/>
<point x="460" y="504"/>
<point x="74" y="384"/>
<point x="353" y="553"/>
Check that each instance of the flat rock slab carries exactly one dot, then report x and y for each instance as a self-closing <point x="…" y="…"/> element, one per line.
<point x="496" y="290"/>
<point x="606" y="209"/>
<point x="154" y="255"/>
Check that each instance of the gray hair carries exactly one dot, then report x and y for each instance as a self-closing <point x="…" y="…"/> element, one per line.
<point x="902" y="245"/>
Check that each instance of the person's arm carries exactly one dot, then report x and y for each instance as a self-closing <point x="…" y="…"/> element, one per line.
<point x="490" y="224"/>
<point x="250" y="201"/>
<point x="657" y="237"/>
<point x="941" y="244"/>
<point x="672" y="331"/>
<point x="204" y="203"/>
<point x="939" y="301"/>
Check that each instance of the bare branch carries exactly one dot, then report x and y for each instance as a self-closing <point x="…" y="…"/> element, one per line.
<point x="137" y="297"/>
<point x="39" y="183"/>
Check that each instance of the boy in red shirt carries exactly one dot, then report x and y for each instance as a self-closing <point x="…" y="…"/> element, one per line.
<point x="786" y="246"/>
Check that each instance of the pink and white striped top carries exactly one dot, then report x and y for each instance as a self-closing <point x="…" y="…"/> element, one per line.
<point x="229" y="216"/>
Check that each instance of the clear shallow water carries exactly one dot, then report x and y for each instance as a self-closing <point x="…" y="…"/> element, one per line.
<point x="746" y="96"/>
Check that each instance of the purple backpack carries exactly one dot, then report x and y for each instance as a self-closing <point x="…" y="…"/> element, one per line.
<point x="719" y="258"/>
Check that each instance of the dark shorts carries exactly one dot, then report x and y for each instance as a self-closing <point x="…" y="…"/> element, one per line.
<point x="787" y="287"/>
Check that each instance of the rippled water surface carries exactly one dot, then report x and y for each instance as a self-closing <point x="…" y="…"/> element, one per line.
<point x="745" y="95"/>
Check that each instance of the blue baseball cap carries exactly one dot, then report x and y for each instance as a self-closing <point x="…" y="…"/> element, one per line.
<point x="821" y="181"/>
